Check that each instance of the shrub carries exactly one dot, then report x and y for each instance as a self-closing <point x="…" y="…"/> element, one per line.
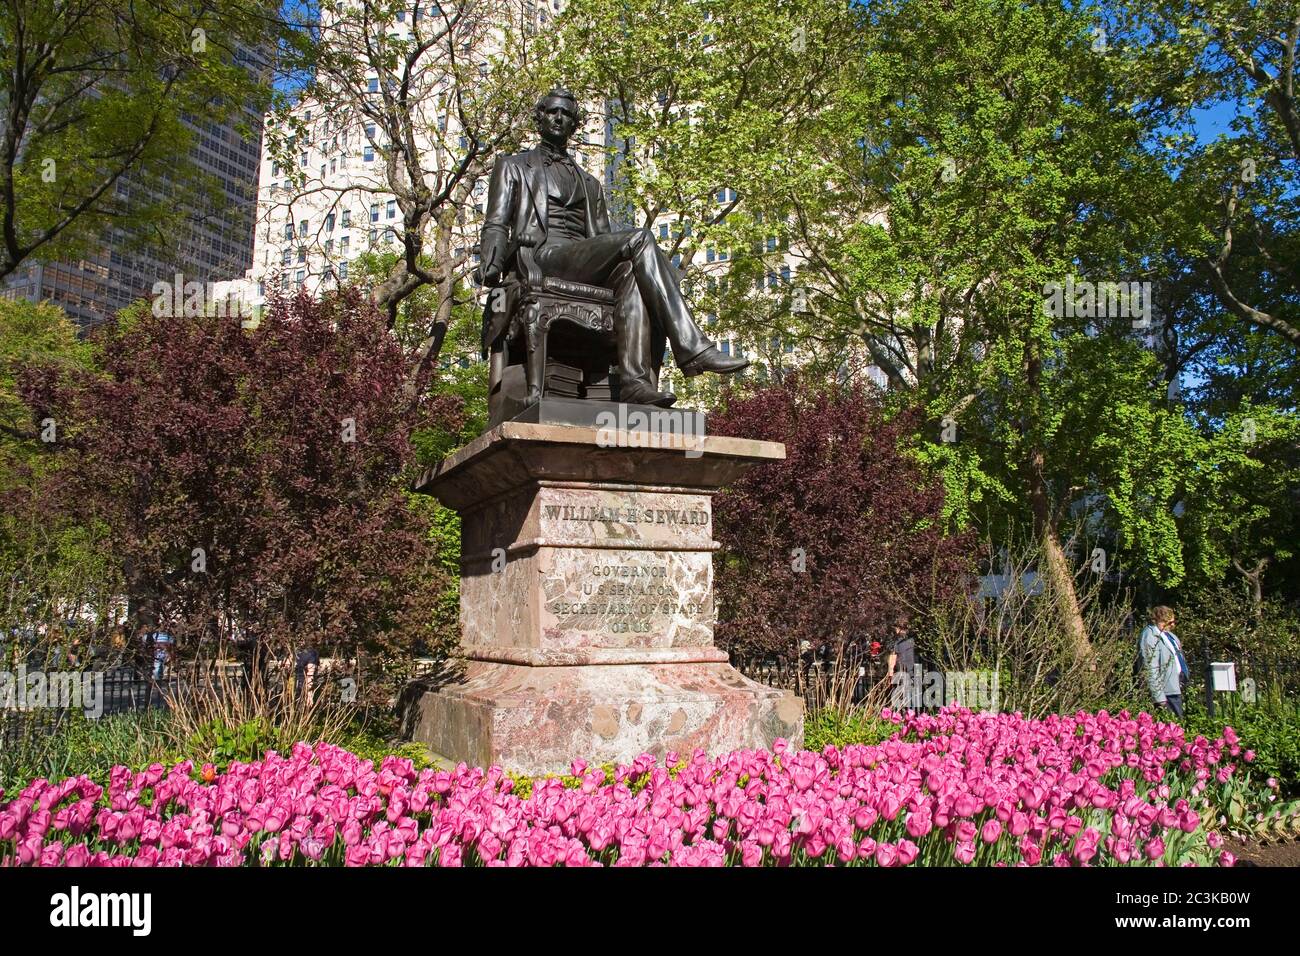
<point x="833" y="544"/>
<point x="252" y="480"/>
<point x="1021" y="635"/>
<point x="81" y="745"/>
<point x="832" y="728"/>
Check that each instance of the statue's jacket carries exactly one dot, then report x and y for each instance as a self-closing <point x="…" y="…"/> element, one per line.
<point x="516" y="215"/>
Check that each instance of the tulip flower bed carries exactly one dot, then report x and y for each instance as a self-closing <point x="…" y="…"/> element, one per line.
<point x="952" y="788"/>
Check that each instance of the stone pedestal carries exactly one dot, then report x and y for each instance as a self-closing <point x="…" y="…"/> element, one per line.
<point x="586" y="601"/>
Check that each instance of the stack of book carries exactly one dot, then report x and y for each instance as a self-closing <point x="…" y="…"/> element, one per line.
<point x="563" y="381"/>
<point x="602" y="389"/>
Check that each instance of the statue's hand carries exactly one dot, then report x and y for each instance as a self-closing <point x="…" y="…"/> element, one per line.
<point x="489" y="274"/>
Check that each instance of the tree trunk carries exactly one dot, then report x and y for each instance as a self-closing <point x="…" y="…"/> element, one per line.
<point x="1055" y="563"/>
<point x="1055" y="566"/>
<point x="1255" y="581"/>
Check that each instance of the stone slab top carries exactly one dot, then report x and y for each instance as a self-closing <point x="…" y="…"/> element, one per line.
<point x="515" y="454"/>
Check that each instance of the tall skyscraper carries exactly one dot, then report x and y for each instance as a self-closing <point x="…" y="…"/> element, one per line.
<point x="214" y="241"/>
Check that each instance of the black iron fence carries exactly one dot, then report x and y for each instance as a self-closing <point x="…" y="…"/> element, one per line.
<point x="37" y="704"/>
<point x="818" y="677"/>
<point x="1259" y="676"/>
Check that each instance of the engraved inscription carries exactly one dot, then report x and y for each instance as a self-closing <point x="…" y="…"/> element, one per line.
<point x="654" y="596"/>
<point x="591" y="514"/>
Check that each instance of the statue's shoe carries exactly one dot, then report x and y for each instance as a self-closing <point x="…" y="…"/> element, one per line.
<point x="711" y="360"/>
<point x="644" y="395"/>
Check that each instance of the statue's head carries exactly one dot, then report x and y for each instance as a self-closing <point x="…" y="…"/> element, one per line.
<point x="556" y="115"/>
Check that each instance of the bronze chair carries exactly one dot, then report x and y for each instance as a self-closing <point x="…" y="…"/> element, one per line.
<point x="559" y="341"/>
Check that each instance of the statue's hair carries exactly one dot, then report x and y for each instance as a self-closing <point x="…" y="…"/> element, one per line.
<point x="559" y="93"/>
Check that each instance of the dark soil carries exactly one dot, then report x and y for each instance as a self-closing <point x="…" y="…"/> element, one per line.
<point x="1253" y="853"/>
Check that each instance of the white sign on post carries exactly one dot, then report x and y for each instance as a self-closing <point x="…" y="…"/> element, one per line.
<point x="1224" y="675"/>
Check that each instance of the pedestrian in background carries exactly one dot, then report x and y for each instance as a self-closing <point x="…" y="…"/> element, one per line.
<point x="1163" y="661"/>
<point x="308" y="661"/>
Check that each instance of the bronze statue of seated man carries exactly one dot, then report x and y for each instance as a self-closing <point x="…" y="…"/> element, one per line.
<point x="543" y="201"/>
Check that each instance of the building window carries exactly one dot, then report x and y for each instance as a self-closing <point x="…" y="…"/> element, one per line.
<point x="347" y="217"/>
<point x="302" y="227"/>
<point x="372" y="85"/>
<point x="302" y="254"/>
<point x="368" y="154"/>
<point x="288" y="230"/>
<point x="284" y="282"/>
<point x="343" y="245"/>
<point x="329" y="222"/>
<point x="726" y="347"/>
<point x="392" y="208"/>
<point x="302" y="160"/>
<point x="374" y="234"/>
<point x="298" y="277"/>
<point x="374" y="212"/>
<point x="329" y="247"/>
<point x="663" y="230"/>
<point x="287" y="258"/>
<point x="343" y="270"/>
<point x="709" y="256"/>
<point x="785" y="274"/>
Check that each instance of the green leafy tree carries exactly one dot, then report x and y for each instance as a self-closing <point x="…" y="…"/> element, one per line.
<point x="1243" y="510"/>
<point x="96" y="93"/>
<point x="50" y="567"/>
<point x="1239" y="191"/>
<point x="436" y="103"/>
<point x="711" y="105"/>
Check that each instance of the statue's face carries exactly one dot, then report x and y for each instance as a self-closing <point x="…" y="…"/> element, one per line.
<point x="557" y="118"/>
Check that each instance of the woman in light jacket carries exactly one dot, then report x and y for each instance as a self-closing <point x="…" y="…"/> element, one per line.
<point x="1162" y="659"/>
